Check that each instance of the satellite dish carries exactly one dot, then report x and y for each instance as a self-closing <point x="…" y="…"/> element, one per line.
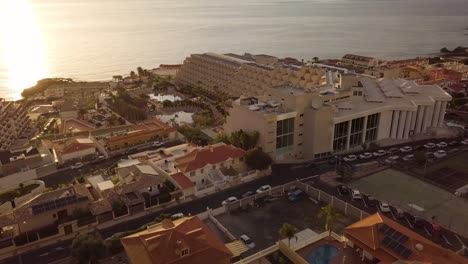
<point x="317" y="103"/>
<point x="419" y="247"/>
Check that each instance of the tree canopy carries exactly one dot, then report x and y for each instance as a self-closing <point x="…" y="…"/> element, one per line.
<point x="257" y="159"/>
<point x="287" y="231"/>
<point x="88" y="248"/>
<point x="330" y="215"/>
<point x="240" y="139"/>
<point x="42" y="85"/>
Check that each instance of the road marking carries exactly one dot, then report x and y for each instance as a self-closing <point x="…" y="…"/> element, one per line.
<point x="461" y="242"/>
<point x="408" y="222"/>
<point x="364" y="200"/>
<point x="427" y="232"/>
<point x="391" y="212"/>
<point x="446" y="240"/>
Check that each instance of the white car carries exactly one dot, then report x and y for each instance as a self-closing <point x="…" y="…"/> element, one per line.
<point x="393" y="151"/>
<point x="430" y="145"/>
<point x="77" y="165"/>
<point x="247" y="241"/>
<point x="441" y="145"/>
<point x="384" y="207"/>
<point x="392" y="159"/>
<point x="264" y="188"/>
<point x="366" y="155"/>
<point x="406" y="149"/>
<point x="356" y="195"/>
<point x="158" y="144"/>
<point x="229" y="200"/>
<point x="379" y="153"/>
<point x="440" y="154"/>
<point x="350" y="158"/>
<point x="464" y="142"/>
<point x="408" y="157"/>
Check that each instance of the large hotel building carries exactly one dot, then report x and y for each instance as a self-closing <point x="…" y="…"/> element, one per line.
<point x="298" y="123"/>
<point x="304" y="112"/>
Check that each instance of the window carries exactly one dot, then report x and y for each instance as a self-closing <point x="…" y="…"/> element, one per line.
<point x="184" y="252"/>
<point x="284" y="133"/>
<point x="300" y="135"/>
<point x="301" y="115"/>
<point x="372" y="126"/>
<point x="340" y="136"/>
<point x="192" y="173"/>
<point x="202" y="170"/>
<point x="301" y="125"/>
<point x="357" y="125"/>
<point x="213" y="167"/>
<point x="300" y="144"/>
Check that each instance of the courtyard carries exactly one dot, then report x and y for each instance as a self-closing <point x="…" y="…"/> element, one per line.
<point x="417" y="197"/>
<point x="262" y="224"/>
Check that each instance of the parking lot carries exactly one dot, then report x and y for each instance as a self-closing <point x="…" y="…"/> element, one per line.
<point x="417" y="198"/>
<point x="262" y="224"/>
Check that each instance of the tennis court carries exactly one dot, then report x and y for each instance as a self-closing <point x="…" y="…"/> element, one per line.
<point x="417" y="197"/>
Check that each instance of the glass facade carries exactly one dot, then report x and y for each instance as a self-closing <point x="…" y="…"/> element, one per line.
<point x="372" y="125"/>
<point x="357" y="125"/>
<point x="340" y="136"/>
<point x="285" y="133"/>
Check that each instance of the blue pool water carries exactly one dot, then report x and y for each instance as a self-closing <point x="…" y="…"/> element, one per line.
<point x="322" y="255"/>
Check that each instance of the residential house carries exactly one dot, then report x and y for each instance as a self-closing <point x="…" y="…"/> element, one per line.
<point x="360" y="61"/>
<point x="183" y="241"/>
<point x="380" y="239"/>
<point x="205" y="166"/>
<point x="72" y="149"/>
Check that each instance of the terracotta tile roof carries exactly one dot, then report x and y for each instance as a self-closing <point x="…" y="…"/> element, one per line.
<point x="162" y="243"/>
<point x="182" y="180"/>
<point x="366" y="234"/>
<point x="71" y="145"/>
<point x="213" y="154"/>
<point x="149" y="127"/>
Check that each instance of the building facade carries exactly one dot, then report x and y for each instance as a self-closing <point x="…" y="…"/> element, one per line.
<point x="13" y="123"/>
<point x="298" y="123"/>
<point x="238" y="75"/>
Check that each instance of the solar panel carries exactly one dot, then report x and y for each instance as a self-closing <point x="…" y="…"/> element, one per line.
<point x="406" y="253"/>
<point x="403" y="239"/>
<point x="393" y="245"/>
<point x="400" y="249"/>
<point x="384" y="228"/>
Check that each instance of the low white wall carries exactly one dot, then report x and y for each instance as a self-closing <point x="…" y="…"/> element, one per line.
<point x="40" y="189"/>
<point x="13" y="180"/>
<point x="5" y="207"/>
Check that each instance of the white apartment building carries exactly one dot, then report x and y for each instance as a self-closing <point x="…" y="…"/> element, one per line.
<point x="13" y="123"/>
<point x="236" y="76"/>
<point x="298" y="123"/>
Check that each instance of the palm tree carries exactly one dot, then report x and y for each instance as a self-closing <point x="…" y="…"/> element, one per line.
<point x="132" y="75"/>
<point x="140" y="71"/>
<point x="288" y="231"/>
<point x="330" y="215"/>
<point x="316" y="59"/>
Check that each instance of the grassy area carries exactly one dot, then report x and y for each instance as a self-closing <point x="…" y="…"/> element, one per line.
<point x="18" y="192"/>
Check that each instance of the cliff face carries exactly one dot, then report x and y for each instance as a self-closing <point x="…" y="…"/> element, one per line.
<point x="457" y="51"/>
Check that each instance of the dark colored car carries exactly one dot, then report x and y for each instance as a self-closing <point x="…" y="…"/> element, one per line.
<point x="296" y="195"/>
<point x="418" y="221"/>
<point x="247" y="194"/>
<point x="371" y="201"/>
<point x="343" y="189"/>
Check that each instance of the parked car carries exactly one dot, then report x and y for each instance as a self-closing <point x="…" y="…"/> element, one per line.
<point x="398" y="212"/>
<point x="343" y="189"/>
<point x="177" y="216"/>
<point x="350" y="158"/>
<point x="229" y="200"/>
<point x="379" y="153"/>
<point x="356" y="195"/>
<point x="366" y="155"/>
<point x="296" y="195"/>
<point x="371" y="201"/>
<point x="384" y="207"/>
<point x="429" y="145"/>
<point x="440" y="154"/>
<point x="392" y="159"/>
<point x="77" y="165"/>
<point x="429" y="154"/>
<point x="418" y="221"/>
<point x="441" y="145"/>
<point x="453" y="143"/>
<point x="406" y="149"/>
<point x="264" y="188"/>
<point x="247" y="241"/>
<point x="248" y="194"/>
<point x="393" y="151"/>
<point x="408" y="157"/>
<point x="464" y="142"/>
<point x="158" y="144"/>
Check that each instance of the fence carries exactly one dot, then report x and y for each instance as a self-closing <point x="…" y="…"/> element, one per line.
<point x="221" y="227"/>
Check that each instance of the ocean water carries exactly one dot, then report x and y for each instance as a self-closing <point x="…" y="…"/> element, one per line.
<point x="95" y="39"/>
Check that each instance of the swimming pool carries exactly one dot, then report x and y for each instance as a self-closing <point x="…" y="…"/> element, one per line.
<point x="322" y="255"/>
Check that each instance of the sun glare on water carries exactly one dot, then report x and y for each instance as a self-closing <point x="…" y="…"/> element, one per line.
<point x="22" y="51"/>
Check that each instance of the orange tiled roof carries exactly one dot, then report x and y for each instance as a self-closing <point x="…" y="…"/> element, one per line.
<point x="71" y="145"/>
<point x="366" y="234"/>
<point x="182" y="180"/>
<point x="162" y="243"/>
<point x="143" y="129"/>
<point x="213" y="154"/>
